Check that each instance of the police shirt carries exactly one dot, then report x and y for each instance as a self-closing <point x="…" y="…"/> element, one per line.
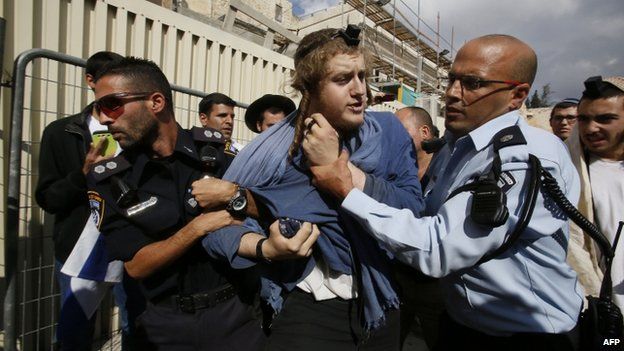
<point x="529" y="287"/>
<point x="163" y="205"/>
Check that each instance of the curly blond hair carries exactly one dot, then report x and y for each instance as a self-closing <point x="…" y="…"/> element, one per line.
<point x="311" y="58"/>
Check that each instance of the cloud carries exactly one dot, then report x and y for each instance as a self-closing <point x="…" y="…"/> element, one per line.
<point x="573" y="39"/>
<point x="303" y="7"/>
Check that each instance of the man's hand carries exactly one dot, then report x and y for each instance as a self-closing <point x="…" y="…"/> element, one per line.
<point x="213" y="192"/>
<point x="94" y="155"/>
<point x="153" y="257"/>
<point x="334" y="178"/>
<point x="321" y="143"/>
<point x="278" y="247"/>
<point x="211" y="221"/>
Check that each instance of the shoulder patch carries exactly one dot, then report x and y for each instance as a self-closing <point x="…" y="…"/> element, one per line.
<point x="106" y="168"/>
<point x="508" y="137"/>
<point x="96" y="205"/>
<point x="229" y="150"/>
<point x="207" y="135"/>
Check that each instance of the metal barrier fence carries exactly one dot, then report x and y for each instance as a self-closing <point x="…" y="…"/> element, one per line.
<point x="48" y="85"/>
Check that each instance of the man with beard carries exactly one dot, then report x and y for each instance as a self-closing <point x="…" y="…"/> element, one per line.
<point x="525" y="296"/>
<point x="342" y="297"/>
<point x="151" y="222"/>
<point x="597" y="149"/>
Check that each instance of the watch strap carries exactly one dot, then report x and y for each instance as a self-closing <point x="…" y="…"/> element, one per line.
<point x="259" y="254"/>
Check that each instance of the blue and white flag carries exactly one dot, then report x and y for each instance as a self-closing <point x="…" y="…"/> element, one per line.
<point x="90" y="271"/>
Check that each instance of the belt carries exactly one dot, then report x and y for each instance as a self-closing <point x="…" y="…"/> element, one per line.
<point x="189" y="303"/>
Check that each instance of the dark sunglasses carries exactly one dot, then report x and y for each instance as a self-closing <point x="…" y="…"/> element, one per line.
<point x="112" y="105"/>
<point x="473" y="82"/>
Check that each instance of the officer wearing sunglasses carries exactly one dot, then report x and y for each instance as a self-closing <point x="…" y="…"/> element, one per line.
<point x="152" y="223"/>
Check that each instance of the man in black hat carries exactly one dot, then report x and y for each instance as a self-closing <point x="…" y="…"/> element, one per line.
<point x="267" y="111"/>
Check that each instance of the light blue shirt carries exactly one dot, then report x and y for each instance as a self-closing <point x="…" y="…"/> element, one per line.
<point x="530" y="287"/>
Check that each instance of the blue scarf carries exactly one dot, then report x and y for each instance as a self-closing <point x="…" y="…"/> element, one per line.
<point x="285" y="187"/>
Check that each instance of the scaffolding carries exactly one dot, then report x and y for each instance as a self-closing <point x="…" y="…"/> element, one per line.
<point x="415" y="55"/>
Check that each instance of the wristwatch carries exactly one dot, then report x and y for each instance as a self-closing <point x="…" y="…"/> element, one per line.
<point x="238" y="203"/>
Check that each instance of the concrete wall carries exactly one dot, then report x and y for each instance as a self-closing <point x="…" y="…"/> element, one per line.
<point x="216" y="9"/>
<point x="538" y="117"/>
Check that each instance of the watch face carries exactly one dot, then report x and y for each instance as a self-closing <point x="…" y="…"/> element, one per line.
<point x="239" y="203"/>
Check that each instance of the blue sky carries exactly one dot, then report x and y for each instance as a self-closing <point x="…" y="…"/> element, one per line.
<point x="574" y="39"/>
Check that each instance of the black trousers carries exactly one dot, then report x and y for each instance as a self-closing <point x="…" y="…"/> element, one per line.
<point x="421" y="301"/>
<point x="331" y="325"/>
<point x="455" y="336"/>
<point x="229" y="326"/>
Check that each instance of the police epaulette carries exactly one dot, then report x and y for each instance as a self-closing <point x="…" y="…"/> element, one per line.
<point x="508" y="137"/>
<point x="207" y="135"/>
<point x="106" y="168"/>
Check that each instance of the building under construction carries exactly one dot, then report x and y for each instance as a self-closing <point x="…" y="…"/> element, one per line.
<point x="409" y="54"/>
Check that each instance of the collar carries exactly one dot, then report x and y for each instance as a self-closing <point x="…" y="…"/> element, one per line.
<point x="84" y="114"/>
<point x="482" y="136"/>
<point x="185" y="144"/>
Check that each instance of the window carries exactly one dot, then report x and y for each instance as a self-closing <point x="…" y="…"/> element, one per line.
<point x="278" y="13"/>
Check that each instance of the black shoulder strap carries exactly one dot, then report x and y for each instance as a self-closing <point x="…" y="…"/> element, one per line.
<point x="509" y="136"/>
<point x="109" y="167"/>
<point x="207" y="135"/>
<point x="525" y="213"/>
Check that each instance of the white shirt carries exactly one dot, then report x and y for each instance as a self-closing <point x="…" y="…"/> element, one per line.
<point x="95" y="125"/>
<point x="607" y="185"/>
<point x="325" y="284"/>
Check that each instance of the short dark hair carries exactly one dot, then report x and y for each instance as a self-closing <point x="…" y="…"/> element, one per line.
<point x="421" y="116"/>
<point x="566" y="103"/>
<point x="141" y="75"/>
<point x="97" y="61"/>
<point x="205" y="105"/>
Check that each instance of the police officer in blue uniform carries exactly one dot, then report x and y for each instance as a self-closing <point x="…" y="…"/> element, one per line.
<point x="151" y="221"/>
<point x="525" y="296"/>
